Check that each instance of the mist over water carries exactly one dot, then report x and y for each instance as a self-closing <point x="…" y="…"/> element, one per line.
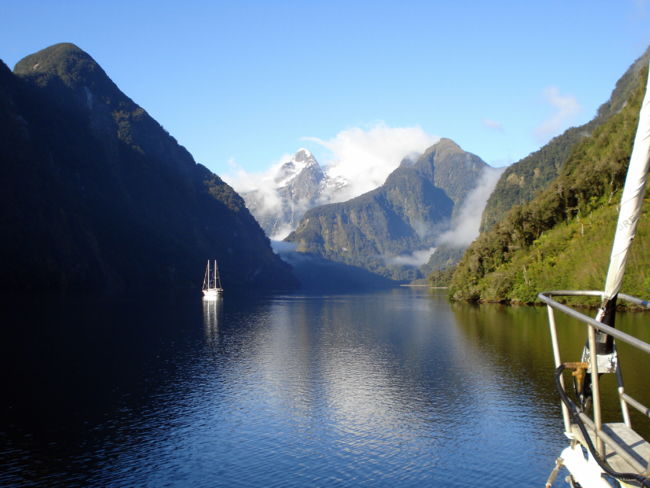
<point x="395" y="388"/>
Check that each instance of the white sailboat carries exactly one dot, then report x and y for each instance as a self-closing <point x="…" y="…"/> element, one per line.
<point x="605" y="454"/>
<point x="212" y="288"/>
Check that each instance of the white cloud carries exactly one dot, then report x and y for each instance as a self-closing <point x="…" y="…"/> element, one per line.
<point x="263" y="182"/>
<point x="243" y="181"/>
<point x="365" y="157"/>
<point x="466" y="224"/>
<point x="493" y="124"/>
<point x="362" y="157"/>
<point x="566" y="107"/>
<point x="417" y="258"/>
<point x="282" y="231"/>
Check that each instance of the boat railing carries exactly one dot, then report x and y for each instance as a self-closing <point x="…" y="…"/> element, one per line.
<point x="595" y="424"/>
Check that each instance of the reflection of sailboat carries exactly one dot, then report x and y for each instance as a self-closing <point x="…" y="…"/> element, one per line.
<point x="212" y="283"/>
<point x="604" y="454"/>
<point x="212" y="310"/>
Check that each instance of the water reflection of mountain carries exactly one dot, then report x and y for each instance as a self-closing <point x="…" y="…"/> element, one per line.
<point x="376" y="371"/>
<point x="380" y="349"/>
<point x="381" y="389"/>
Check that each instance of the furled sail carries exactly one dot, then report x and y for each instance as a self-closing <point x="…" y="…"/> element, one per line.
<point x="628" y="217"/>
<point x="631" y="201"/>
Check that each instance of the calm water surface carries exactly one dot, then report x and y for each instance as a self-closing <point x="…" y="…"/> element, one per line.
<point x="397" y="388"/>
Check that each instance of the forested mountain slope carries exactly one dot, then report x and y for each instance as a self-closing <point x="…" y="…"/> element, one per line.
<point x="96" y="195"/>
<point x="521" y="181"/>
<point x="562" y="238"/>
<point x="407" y="213"/>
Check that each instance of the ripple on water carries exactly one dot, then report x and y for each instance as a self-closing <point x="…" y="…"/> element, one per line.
<point x="389" y="389"/>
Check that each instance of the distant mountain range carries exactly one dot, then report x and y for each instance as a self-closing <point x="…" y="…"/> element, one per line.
<point x="393" y="229"/>
<point x="96" y="195"/>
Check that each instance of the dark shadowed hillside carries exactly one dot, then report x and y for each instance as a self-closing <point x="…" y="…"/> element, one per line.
<point x="95" y="194"/>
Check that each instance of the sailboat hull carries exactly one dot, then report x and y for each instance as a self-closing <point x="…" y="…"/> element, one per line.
<point x="212" y="293"/>
<point x="583" y="467"/>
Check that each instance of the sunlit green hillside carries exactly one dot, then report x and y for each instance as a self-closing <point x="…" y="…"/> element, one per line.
<point x="562" y="238"/>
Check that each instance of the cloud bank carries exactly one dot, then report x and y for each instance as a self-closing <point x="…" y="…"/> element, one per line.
<point x="362" y="157"/>
<point x="243" y="181"/>
<point x="465" y="226"/>
<point x="264" y="185"/>
<point x="365" y="157"/>
<point x="566" y="107"/>
<point x="416" y="258"/>
<point x="358" y="160"/>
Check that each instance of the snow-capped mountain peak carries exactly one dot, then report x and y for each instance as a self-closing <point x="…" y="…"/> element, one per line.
<point x="304" y="155"/>
<point x="291" y="169"/>
<point x="297" y="186"/>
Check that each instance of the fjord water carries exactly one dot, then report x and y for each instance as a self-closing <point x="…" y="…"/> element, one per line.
<point x="396" y="388"/>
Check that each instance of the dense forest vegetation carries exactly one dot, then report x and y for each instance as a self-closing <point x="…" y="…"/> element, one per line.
<point x="562" y="238"/>
<point x="521" y="182"/>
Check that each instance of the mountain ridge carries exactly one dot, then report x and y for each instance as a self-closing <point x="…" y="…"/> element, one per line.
<point x="402" y="216"/>
<point x="542" y="244"/>
<point x="98" y="196"/>
<point x="522" y="180"/>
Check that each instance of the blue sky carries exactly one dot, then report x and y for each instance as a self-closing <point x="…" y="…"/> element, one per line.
<point x="243" y="82"/>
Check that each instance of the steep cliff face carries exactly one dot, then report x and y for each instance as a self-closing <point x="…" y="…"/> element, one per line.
<point x="521" y="181"/>
<point x="95" y="194"/>
<point x="381" y="229"/>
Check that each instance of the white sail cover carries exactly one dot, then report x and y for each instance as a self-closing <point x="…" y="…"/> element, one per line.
<point x="631" y="201"/>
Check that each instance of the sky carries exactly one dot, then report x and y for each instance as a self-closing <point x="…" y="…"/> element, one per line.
<point x="242" y="84"/>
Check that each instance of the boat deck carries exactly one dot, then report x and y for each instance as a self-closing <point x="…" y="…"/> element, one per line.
<point x="632" y="453"/>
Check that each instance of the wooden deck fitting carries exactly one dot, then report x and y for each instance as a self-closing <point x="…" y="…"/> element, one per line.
<point x="625" y="450"/>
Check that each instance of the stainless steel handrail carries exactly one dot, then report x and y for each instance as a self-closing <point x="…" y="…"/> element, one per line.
<point x="594" y="325"/>
<point x="638" y="343"/>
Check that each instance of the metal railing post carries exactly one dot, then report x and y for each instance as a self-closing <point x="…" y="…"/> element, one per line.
<point x="621" y="396"/>
<point x="603" y="441"/>
<point x="558" y="361"/>
<point x="595" y="389"/>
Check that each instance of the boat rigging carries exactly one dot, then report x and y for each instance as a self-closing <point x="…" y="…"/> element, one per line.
<point x="212" y="288"/>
